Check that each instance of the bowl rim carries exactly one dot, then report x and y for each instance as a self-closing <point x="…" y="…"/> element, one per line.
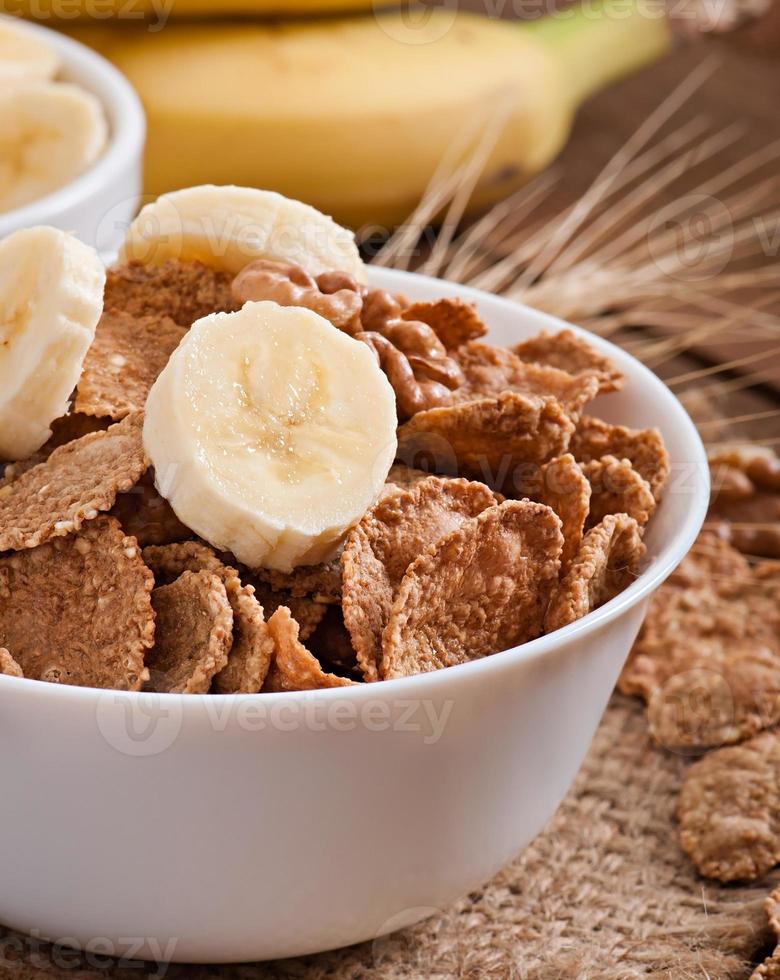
<point x="126" y="121"/>
<point x="661" y="566"/>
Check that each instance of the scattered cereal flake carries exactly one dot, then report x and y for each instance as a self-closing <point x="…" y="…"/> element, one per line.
<point x="707" y="658"/>
<point x="380" y="548"/>
<point x="568" y="352"/>
<point x="479" y="590"/>
<point x="488" y="438"/>
<point x="454" y="321"/>
<point x="645" y="448"/>
<point x="76" y="610"/>
<point x="252" y="647"/>
<point x="617" y="488"/>
<point x="194" y="629"/>
<point x="746" y="498"/>
<point x="8" y="665"/>
<point x="184" y="291"/>
<point x="294" y="667"/>
<point x="729" y="810"/>
<point x="72" y="486"/>
<point x="319" y="582"/>
<point x="604" y="565"/>
<point x="770" y="968"/>
<point x="147" y="516"/>
<point x="563" y="486"/>
<point x="489" y="371"/>
<point x="126" y="356"/>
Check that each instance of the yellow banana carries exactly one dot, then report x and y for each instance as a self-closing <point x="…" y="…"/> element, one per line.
<point x="354" y="115"/>
<point x="156" y="10"/>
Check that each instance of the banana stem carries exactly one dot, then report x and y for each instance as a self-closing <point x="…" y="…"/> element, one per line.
<point x="599" y="41"/>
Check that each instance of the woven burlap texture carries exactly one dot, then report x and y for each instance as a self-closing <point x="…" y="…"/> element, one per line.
<point x="604" y="894"/>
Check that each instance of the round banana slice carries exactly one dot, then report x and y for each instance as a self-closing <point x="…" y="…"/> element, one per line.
<point x="51" y="298"/>
<point x="24" y="57"/>
<point x="271" y="433"/>
<point x="229" y="227"/>
<point x="50" y="132"/>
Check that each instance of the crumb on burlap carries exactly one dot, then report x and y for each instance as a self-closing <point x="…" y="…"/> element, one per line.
<point x="729" y="810"/>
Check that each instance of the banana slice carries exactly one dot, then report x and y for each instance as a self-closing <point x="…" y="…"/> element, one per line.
<point x="50" y="132"/>
<point x="271" y="432"/>
<point x="24" y="57"/>
<point x="228" y="227"/>
<point x="51" y="298"/>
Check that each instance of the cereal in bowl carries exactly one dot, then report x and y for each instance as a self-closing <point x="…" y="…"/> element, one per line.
<point x="282" y="479"/>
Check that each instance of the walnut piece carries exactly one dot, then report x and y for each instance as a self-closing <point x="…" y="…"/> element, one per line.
<point x="416" y="362"/>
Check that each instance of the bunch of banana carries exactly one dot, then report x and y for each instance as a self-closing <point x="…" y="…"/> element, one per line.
<point x="355" y="114"/>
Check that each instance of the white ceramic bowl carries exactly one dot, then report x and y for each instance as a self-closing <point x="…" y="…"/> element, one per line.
<point x="205" y="828"/>
<point x="99" y="205"/>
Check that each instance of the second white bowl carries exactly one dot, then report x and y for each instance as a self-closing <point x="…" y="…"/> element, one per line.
<point x="99" y="205"/>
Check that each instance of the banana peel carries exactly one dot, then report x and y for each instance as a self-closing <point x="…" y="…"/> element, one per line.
<point x="355" y="115"/>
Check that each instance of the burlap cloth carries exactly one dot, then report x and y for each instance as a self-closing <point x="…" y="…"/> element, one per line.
<point x="604" y="894"/>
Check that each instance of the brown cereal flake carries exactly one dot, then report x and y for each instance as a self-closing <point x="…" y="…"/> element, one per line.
<point x="746" y="498"/>
<point x="183" y="291"/>
<point x="454" y="321"/>
<point x="63" y="430"/>
<point x="306" y="611"/>
<point x="488" y="371"/>
<point x="380" y="548"/>
<point x="563" y="486"/>
<point x="604" y="565"/>
<point x="645" y="448"/>
<point x="194" y="628"/>
<point x="488" y="438"/>
<point x="770" y="968"/>
<point x="729" y="810"/>
<point x="322" y="582"/>
<point x="8" y="665"/>
<point x="568" y="352"/>
<point x="76" y="610"/>
<point x="252" y="647"/>
<point x="147" y="516"/>
<point x="707" y="659"/>
<point x="617" y="488"/>
<point x="479" y="590"/>
<point x="72" y="486"/>
<point x="294" y="667"/>
<point x="125" y="359"/>
<point x="406" y="477"/>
